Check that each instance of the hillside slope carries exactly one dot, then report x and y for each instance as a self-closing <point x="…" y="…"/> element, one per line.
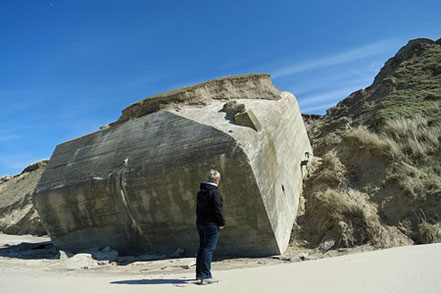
<point x="377" y="177"/>
<point x="17" y="213"/>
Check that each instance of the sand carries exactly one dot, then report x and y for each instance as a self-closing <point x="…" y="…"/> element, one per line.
<point x="410" y="269"/>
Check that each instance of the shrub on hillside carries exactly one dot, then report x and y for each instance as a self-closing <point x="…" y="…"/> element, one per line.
<point x="374" y="184"/>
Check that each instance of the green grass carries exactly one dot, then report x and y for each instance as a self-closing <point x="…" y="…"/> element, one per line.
<point x="417" y="89"/>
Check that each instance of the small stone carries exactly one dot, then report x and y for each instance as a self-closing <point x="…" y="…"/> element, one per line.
<point x="327" y="245"/>
<point x="315" y="256"/>
<point x="65" y="255"/>
<point x="80" y="261"/>
<point x="110" y="255"/>
<point x="248" y="119"/>
<point x="282" y="258"/>
<point x="302" y="256"/>
<point x="232" y="108"/>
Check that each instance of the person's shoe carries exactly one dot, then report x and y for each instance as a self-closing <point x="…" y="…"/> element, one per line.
<point x="209" y="281"/>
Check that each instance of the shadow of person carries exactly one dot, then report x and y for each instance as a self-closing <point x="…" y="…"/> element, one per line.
<point x="154" y="281"/>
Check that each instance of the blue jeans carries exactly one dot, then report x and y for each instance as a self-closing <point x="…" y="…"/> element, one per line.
<point x="208" y="236"/>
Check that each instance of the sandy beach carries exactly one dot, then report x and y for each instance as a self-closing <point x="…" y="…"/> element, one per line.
<point x="409" y="269"/>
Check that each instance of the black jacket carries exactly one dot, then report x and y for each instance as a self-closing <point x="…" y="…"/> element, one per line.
<point x="209" y="207"/>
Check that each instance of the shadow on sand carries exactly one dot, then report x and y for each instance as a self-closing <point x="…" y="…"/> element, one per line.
<point x="26" y="250"/>
<point x="155" y="282"/>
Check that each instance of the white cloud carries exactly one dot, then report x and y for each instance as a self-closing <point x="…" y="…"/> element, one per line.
<point x="334" y="96"/>
<point x="319" y="102"/>
<point x="351" y="55"/>
<point x="6" y="136"/>
<point x="331" y="82"/>
<point x="316" y="109"/>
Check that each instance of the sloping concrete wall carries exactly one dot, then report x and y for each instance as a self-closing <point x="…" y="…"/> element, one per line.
<point x="132" y="186"/>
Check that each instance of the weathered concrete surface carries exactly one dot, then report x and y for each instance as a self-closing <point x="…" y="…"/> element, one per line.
<point x="132" y="186"/>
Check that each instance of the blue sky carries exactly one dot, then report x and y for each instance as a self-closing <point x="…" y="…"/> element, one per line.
<point x="68" y="67"/>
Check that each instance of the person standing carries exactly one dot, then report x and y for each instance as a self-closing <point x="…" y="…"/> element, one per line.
<point x="209" y="221"/>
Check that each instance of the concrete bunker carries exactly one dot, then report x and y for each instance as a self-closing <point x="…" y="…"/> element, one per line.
<point x="132" y="185"/>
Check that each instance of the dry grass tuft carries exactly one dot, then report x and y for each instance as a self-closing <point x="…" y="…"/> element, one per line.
<point x="400" y="139"/>
<point x="345" y="217"/>
<point x="377" y="145"/>
<point x="330" y="173"/>
<point x="429" y="233"/>
<point x="415" y="138"/>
